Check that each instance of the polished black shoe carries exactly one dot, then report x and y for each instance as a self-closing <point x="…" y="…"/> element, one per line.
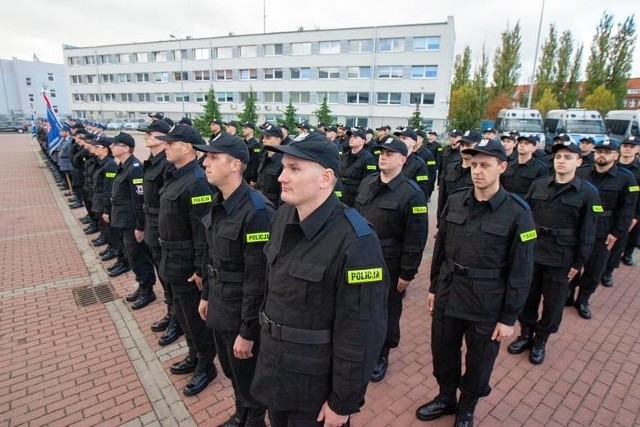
<point x="234" y="421"/>
<point x="583" y="310"/>
<point x="464" y="419"/>
<point x="133" y="295"/>
<point x="380" y="370"/>
<point x="99" y="241"/>
<point x="436" y="408"/>
<point x="520" y="345"/>
<point x="143" y="300"/>
<point x="104" y="252"/>
<point x="91" y="229"/>
<point x="173" y="332"/>
<point x="85" y="220"/>
<point x="199" y="381"/>
<point x="607" y="280"/>
<point x="538" y="351"/>
<point x="108" y="255"/>
<point x="161" y="324"/>
<point x="114" y="266"/>
<point x="185" y="366"/>
<point x="118" y="271"/>
<point x="627" y="260"/>
<point x="76" y="205"/>
<point x="570" y="301"/>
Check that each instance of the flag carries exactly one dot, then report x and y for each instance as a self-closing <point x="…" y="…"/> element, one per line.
<point x="34" y="127"/>
<point x="55" y="127"/>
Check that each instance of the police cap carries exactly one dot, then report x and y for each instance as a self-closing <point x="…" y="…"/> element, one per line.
<point x="490" y="147"/>
<point x="182" y="133"/>
<point x="315" y="147"/>
<point x="227" y="144"/>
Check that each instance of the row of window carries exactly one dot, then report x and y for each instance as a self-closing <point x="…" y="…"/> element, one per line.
<point x="294" y="73"/>
<point x="381" y="98"/>
<point x="52" y="94"/>
<point x="334" y="47"/>
<point x="50" y="77"/>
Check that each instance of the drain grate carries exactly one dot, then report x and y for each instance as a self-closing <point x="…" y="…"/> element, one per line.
<point x="90" y="295"/>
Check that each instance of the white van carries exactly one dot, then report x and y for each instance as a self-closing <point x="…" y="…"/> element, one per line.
<point x="524" y="120"/>
<point x="576" y="122"/>
<point x="622" y="123"/>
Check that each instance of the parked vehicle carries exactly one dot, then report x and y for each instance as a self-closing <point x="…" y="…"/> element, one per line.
<point x="621" y="124"/>
<point x="115" y="125"/>
<point x="523" y="120"/>
<point x="578" y="123"/>
<point x="13" y="127"/>
<point x="133" y="124"/>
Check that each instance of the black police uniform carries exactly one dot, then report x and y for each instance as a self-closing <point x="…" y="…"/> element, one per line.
<point x="104" y="173"/>
<point x="87" y="163"/>
<point x="127" y="215"/>
<point x="251" y="172"/>
<point x="436" y="149"/>
<point x="454" y="177"/>
<point x="398" y="212"/>
<point x="480" y="274"/>
<point x="618" y="192"/>
<point x="565" y="217"/>
<point x="588" y="160"/>
<point x="237" y="230"/>
<point x="416" y="169"/>
<point x="324" y="318"/>
<point x="634" y="235"/>
<point x="353" y="169"/>
<point x="449" y="155"/>
<point x="268" y="172"/>
<point x="432" y="169"/>
<point x="185" y="199"/>
<point x="519" y="177"/>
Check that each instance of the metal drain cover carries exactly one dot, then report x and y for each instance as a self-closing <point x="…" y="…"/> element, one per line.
<point x="90" y="295"/>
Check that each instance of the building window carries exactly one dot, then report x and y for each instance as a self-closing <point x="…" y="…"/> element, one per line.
<point x="390" y="72"/>
<point x="107" y="78"/>
<point x="179" y="54"/>
<point x="272" y="118"/>
<point x="273" y="49"/>
<point x="201" y="53"/>
<point x="332" y="97"/>
<point x="299" y="97"/>
<point x="109" y="97"/>
<point x="244" y="96"/>
<point x="329" y="48"/>
<point x="92" y="97"/>
<point x="357" y="97"/>
<point x="52" y="93"/>
<point x="31" y="97"/>
<point x="203" y="75"/>
<point x="389" y="98"/>
<point x="249" y="74"/>
<point x="428" y="98"/>
<point x="123" y="58"/>
<point x="90" y="78"/>
<point x="182" y="97"/>
<point x="163" y="97"/>
<point x="328" y="73"/>
<point x="273" y="73"/>
<point x="76" y="97"/>
<point x="201" y="96"/>
<point x="104" y="59"/>
<point x="357" y="122"/>
<point x="73" y="61"/>
<point x="144" y="97"/>
<point x="179" y="76"/>
<point x="272" y="96"/>
<point x="55" y="108"/>
<point x="224" y="74"/>
<point x="248" y="51"/>
<point x="50" y="77"/>
<point x="89" y="60"/>
<point x="358" y="72"/>
<point x="27" y="80"/>
<point x="161" y="77"/>
<point x="421" y="44"/>
<point x="142" y="77"/>
<point x="360" y="46"/>
<point x="124" y="78"/>
<point x="159" y="56"/>
<point x="391" y="45"/>
<point x="126" y="97"/>
<point x="301" y="48"/>
<point x="424" y="71"/>
<point x="224" y="52"/>
<point x="224" y="96"/>
<point x="141" y="57"/>
<point x="75" y="80"/>
<point x="300" y="73"/>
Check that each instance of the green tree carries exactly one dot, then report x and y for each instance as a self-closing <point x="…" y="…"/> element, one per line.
<point x="506" y="62"/>
<point x="249" y="113"/>
<point x="546" y="71"/>
<point x="479" y="85"/>
<point x="547" y="102"/>
<point x="601" y="99"/>
<point x="289" y="118"/>
<point x="211" y="112"/>
<point x="416" y="119"/>
<point x="323" y="113"/>
<point x="463" y="108"/>
<point x="462" y="69"/>
<point x="572" y="88"/>
<point x="597" y="64"/>
<point x="563" y="61"/>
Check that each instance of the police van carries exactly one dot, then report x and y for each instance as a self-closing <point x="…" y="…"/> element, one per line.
<point x="578" y="123"/>
<point x="621" y="124"/>
<point x="524" y="120"/>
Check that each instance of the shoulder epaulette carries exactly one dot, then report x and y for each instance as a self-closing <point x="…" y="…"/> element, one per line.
<point x="420" y="159"/>
<point x="414" y="185"/>
<point x="359" y="224"/>
<point x="590" y="185"/>
<point x="256" y="200"/>
<point x="459" y="189"/>
<point x="627" y="171"/>
<point x="520" y="201"/>
<point x="198" y="173"/>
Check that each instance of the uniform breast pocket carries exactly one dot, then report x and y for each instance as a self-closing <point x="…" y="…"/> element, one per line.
<point x="171" y="202"/>
<point x="305" y="378"/>
<point x="490" y="294"/>
<point x="229" y="244"/>
<point x="494" y="238"/>
<point x="309" y="276"/>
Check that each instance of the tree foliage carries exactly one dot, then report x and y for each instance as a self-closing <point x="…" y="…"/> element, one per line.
<point x="323" y="113"/>
<point x="496" y="104"/>
<point x="463" y="108"/>
<point x="415" y="121"/>
<point x="506" y="61"/>
<point x="546" y="72"/>
<point x="211" y="112"/>
<point x="462" y="69"/>
<point x="601" y="99"/>
<point x="249" y="113"/>
<point x="547" y="102"/>
<point x="289" y="118"/>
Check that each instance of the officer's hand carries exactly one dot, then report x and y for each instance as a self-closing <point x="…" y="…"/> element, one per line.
<point x="203" y="307"/>
<point x="331" y="419"/>
<point x="611" y="240"/>
<point x="501" y="331"/>
<point x="572" y="274"/>
<point x="242" y="348"/>
<point x="634" y="221"/>
<point x="197" y="280"/>
<point x="430" y="299"/>
<point x="403" y="284"/>
<point x="105" y="218"/>
<point x="139" y="235"/>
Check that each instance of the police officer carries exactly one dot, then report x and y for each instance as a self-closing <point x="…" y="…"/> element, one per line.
<point x="237" y="230"/>
<point x="331" y="132"/>
<point x="509" y="140"/>
<point x="383" y="132"/>
<point x="618" y="192"/>
<point x="270" y="165"/>
<point x="397" y="209"/>
<point x="450" y="153"/>
<point x="232" y="127"/>
<point x="549" y="158"/>
<point x="489" y="133"/>
<point x="355" y="164"/>
<point x="216" y="129"/>
<point x="251" y="173"/>
<point x="324" y="317"/>
<point x="480" y="275"/>
<point x="434" y="146"/>
<point x="186" y="199"/>
<point x="286" y="139"/>
<point x="414" y="168"/>
<point x="524" y="169"/>
<point x="564" y="208"/>
<point x="429" y="159"/>
<point x="587" y="144"/>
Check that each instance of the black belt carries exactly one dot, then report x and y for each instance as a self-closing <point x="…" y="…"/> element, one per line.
<point x="151" y="209"/>
<point x="181" y="244"/>
<point x="545" y="231"/>
<point x="606" y="213"/>
<point x="225" y="276"/>
<point x="479" y="273"/>
<point x="389" y="242"/>
<point x="294" y="335"/>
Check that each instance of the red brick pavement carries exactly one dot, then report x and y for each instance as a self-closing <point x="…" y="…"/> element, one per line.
<point x="64" y="365"/>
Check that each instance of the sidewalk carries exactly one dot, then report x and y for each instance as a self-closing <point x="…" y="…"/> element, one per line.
<point x="66" y="365"/>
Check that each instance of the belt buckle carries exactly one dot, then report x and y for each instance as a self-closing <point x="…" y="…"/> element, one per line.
<point x="161" y="242"/>
<point x="459" y="267"/>
<point x="272" y="328"/>
<point x="213" y="272"/>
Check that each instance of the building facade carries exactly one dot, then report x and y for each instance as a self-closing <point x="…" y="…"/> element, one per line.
<point x="370" y="76"/>
<point x="21" y="84"/>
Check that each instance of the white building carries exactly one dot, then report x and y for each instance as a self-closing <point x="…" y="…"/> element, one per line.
<point x="371" y="76"/>
<point x="21" y="84"/>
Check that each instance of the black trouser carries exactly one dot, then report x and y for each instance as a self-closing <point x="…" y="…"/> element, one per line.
<point x="186" y="298"/>
<point x="446" y="346"/>
<point x="139" y="258"/>
<point x="239" y="371"/>
<point x="77" y="182"/>
<point x="592" y="273"/>
<point x="156" y="257"/>
<point x="112" y="237"/>
<point x="551" y="284"/>
<point x="296" y="419"/>
<point x="616" y="253"/>
<point x="394" y="311"/>
<point x="632" y="242"/>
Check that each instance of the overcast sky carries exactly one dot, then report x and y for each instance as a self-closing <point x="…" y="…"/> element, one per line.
<point x="41" y="26"/>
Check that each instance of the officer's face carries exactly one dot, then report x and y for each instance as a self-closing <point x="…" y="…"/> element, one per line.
<point x="525" y="147"/>
<point x="586" y="147"/>
<point x="486" y="170"/>
<point x="390" y="161"/>
<point x="247" y="132"/>
<point x="176" y="151"/>
<point x="508" y="144"/>
<point x="410" y="143"/>
<point x="300" y="180"/>
<point x="151" y="141"/>
<point x="219" y="166"/>
<point x="629" y="150"/>
<point x="604" y="157"/>
<point x="432" y="137"/>
<point x="215" y="128"/>
<point x="382" y="133"/>
<point x="271" y="140"/>
<point x="356" y="142"/>
<point x="565" y="161"/>
<point x="231" y="130"/>
<point x="331" y="135"/>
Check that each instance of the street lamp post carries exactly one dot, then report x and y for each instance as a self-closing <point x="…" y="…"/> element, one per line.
<point x="181" y="72"/>
<point x="535" y="58"/>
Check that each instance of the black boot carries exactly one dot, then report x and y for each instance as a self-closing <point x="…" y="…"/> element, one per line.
<point x="627" y="260"/>
<point x="443" y="404"/>
<point x="145" y="298"/>
<point x="607" y="279"/>
<point x="161" y="324"/>
<point x="186" y="365"/>
<point x="538" y="350"/>
<point x="238" y="419"/>
<point x="464" y="414"/>
<point x="380" y="370"/>
<point x="173" y="332"/>
<point x="523" y="342"/>
<point x="134" y="295"/>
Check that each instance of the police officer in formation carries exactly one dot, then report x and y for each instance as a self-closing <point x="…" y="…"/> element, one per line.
<point x="587" y="144"/>
<point x="523" y="169"/>
<point x="564" y="209"/>
<point x="509" y="140"/>
<point x="270" y="165"/>
<point x="415" y="167"/>
<point x="251" y="172"/>
<point x="397" y="208"/>
<point x="429" y="159"/>
<point x="451" y="152"/>
<point x="355" y="164"/>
